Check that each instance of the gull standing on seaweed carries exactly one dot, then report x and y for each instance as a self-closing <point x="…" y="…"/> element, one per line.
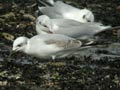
<point x="44" y="46"/>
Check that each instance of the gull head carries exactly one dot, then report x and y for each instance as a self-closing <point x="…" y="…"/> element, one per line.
<point x="42" y="19"/>
<point x="87" y="16"/>
<point x="19" y="44"/>
<point x="43" y="24"/>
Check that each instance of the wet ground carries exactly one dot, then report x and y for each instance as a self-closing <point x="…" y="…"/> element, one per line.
<point x="97" y="68"/>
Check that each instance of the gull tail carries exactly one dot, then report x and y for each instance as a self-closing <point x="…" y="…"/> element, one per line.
<point x="103" y="26"/>
<point x="108" y="35"/>
<point x="104" y="37"/>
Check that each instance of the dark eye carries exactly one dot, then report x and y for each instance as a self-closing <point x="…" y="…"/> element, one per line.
<point x="19" y="45"/>
<point x="44" y="25"/>
<point x="88" y="20"/>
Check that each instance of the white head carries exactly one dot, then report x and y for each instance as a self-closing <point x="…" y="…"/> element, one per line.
<point x="43" y="24"/>
<point x="87" y="15"/>
<point x="42" y="19"/>
<point x="19" y="44"/>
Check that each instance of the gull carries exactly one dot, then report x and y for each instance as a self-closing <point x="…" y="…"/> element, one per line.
<point x="63" y="10"/>
<point x="71" y="28"/>
<point x="44" y="46"/>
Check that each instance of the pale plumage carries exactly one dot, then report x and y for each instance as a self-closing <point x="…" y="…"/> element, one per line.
<point x="43" y="46"/>
<point x="62" y="10"/>
<point x="75" y="29"/>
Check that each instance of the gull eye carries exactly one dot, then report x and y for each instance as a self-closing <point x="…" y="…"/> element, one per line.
<point x="44" y="25"/>
<point x="88" y="20"/>
<point x="19" y="45"/>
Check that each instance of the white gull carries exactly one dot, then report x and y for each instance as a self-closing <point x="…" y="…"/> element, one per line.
<point x="63" y="10"/>
<point x="44" y="46"/>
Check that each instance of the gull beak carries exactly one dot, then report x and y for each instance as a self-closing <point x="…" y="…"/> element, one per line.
<point x="12" y="52"/>
<point x="14" y="49"/>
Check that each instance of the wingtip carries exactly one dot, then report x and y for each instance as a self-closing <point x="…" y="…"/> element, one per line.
<point x="44" y="3"/>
